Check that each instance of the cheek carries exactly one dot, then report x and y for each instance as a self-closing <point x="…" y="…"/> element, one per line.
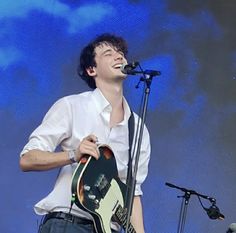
<point x="104" y="67"/>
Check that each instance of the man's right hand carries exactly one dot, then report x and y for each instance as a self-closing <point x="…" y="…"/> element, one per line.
<point x="88" y="146"/>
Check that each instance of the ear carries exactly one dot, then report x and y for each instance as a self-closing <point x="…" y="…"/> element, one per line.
<point x="91" y="71"/>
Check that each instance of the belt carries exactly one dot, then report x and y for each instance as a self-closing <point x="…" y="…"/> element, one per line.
<point x="67" y="217"/>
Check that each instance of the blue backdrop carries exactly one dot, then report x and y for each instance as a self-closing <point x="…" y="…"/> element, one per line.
<point x="191" y="112"/>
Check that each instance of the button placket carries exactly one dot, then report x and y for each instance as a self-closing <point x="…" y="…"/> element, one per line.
<point x="106" y="118"/>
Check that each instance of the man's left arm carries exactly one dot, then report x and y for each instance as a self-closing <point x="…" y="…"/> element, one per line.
<point x="137" y="215"/>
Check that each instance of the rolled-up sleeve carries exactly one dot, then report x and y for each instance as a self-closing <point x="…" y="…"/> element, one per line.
<point x="143" y="162"/>
<point x="54" y="128"/>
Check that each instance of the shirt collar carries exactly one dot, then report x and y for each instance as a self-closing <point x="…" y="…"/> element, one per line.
<point x="102" y="104"/>
<point x="126" y="110"/>
<point x="100" y="100"/>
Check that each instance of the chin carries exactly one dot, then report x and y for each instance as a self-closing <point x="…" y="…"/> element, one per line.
<point x="121" y="75"/>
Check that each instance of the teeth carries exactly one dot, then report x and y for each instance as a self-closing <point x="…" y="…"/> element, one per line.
<point x="117" y="66"/>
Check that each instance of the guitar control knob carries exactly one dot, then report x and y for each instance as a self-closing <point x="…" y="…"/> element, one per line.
<point x="91" y="196"/>
<point x="87" y="187"/>
<point x="96" y="202"/>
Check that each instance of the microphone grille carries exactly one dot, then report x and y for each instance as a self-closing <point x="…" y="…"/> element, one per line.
<point x="123" y="68"/>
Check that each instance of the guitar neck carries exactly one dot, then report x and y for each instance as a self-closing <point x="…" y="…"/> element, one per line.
<point x="121" y="216"/>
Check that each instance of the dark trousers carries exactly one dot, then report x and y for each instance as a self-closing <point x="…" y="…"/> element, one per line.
<point x="57" y="225"/>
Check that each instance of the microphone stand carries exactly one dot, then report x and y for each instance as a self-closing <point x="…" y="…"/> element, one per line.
<point x="147" y="78"/>
<point x="183" y="211"/>
<point x="185" y="202"/>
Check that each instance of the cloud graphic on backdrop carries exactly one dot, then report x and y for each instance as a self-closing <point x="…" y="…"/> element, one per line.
<point x="9" y="55"/>
<point x="79" y="18"/>
<point x="169" y="38"/>
<point x="168" y="94"/>
<point x="160" y="87"/>
<point x="30" y="68"/>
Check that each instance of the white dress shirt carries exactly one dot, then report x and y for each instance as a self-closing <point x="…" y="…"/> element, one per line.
<point x="68" y="121"/>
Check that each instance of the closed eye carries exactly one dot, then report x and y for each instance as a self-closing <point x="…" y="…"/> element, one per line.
<point x="107" y="54"/>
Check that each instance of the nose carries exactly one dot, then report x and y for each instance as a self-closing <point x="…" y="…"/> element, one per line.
<point x="119" y="56"/>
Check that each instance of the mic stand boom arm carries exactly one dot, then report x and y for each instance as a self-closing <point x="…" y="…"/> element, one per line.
<point x="192" y="192"/>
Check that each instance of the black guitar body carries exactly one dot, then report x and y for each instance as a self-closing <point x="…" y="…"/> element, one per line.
<point x="97" y="189"/>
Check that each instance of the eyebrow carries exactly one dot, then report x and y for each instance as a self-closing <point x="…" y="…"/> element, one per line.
<point x="107" y="50"/>
<point x="110" y="50"/>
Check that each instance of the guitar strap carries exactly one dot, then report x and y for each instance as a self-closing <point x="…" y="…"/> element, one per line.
<point x="129" y="172"/>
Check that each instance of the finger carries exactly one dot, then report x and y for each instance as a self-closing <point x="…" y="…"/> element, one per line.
<point x="89" y="144"/>
<point x="91" y="138"/>
<point x="89" y="147"/>
<point x="90" y="151"/>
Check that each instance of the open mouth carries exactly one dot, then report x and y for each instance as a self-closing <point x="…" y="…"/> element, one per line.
<point x="118" y="66"/>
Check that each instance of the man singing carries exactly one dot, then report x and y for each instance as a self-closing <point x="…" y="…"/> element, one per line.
<point x="76" y="123"/>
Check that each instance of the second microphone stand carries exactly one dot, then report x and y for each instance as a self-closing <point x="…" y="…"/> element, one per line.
<point x="184" y="206"/>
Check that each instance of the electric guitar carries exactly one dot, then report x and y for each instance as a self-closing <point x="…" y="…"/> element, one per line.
<point x="97" y="189"/>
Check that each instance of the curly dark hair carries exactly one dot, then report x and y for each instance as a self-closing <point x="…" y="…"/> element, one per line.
<point x="87" y="56"/>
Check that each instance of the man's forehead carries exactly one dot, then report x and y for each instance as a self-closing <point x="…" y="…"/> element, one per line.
<point x="104" y="46"/>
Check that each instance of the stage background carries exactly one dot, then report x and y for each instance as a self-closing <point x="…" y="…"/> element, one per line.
<point x="191" y="112"/>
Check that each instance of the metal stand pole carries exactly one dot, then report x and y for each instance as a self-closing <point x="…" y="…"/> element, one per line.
<point x="183" y="212"/>
<point x="137" y="148"/>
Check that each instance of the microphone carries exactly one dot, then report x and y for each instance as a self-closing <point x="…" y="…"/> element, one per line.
<point x="128" y="68"/>
<point x="232" y="228"/>
<point x="214" y="213"/>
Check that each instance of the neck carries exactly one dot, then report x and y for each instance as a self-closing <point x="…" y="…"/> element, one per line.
<point x="113" y="94"/>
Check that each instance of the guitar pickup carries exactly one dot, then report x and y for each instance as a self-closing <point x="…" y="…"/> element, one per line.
<point x="102" y="185"/>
